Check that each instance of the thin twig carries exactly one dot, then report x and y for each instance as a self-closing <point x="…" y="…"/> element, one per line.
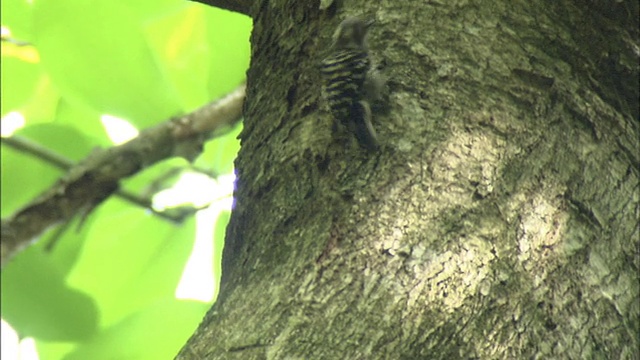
<point x="32" y="148"/>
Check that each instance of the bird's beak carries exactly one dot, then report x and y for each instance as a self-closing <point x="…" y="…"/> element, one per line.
<point x="369" y="22"/>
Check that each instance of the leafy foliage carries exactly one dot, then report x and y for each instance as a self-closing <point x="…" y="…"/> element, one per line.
<point x="104" y="287"/>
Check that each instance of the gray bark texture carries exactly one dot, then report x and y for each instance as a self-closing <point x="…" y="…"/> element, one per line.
<point x="499" y="220"/>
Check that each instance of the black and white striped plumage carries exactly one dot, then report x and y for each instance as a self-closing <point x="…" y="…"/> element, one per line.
<point x="345" y="72"/>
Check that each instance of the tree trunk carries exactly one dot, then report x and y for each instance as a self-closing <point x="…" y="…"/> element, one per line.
<point x="499" y="220"/>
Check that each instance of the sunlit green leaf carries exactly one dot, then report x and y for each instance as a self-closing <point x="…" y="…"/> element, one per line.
<point x="38" y="303"/>
<point x="228" y="35"/>
<point x="182" y="53"/>
<point x="43" y="104"/>
<point x="96" y="54"/>
<point x="123" y="245"/>
<point x="16" y="15"/>
<point x="63" y="243"/>
<point x="49" y="350"/>
<point x="83" y="119"/>
<point x="20" y="79"/>
<point x="158" y="332"/>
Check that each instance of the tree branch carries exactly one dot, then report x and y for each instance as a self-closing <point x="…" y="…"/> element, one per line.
<point x="239" y="6"/>
<point x="95" y="178"/>
<point x="51" y="157"/>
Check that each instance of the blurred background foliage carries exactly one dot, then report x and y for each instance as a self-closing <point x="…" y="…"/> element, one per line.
<point x="124" y="283"/>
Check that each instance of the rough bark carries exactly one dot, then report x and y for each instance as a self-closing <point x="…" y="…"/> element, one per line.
<point x="498" y="221"/>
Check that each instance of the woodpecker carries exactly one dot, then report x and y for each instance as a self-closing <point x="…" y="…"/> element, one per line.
<point x="348" y="79"/>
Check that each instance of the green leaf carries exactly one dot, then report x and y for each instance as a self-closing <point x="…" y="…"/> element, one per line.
<point x="96" y="54"/>
<point x="63" y="243"/>
<point x="157" y="332"/>
<point x="43" y="104"/>
<point x="16" y="15"/>
<point x="37" y="302"/>
<point x="228" y="36"/>
<point x="179" y="44"/>
<point x="85" y="120"/>
<point x="20" y="78"/>
<point x="48" y="350"/>
<point x="130" y="258"/>
<point x="161" y="274"/>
